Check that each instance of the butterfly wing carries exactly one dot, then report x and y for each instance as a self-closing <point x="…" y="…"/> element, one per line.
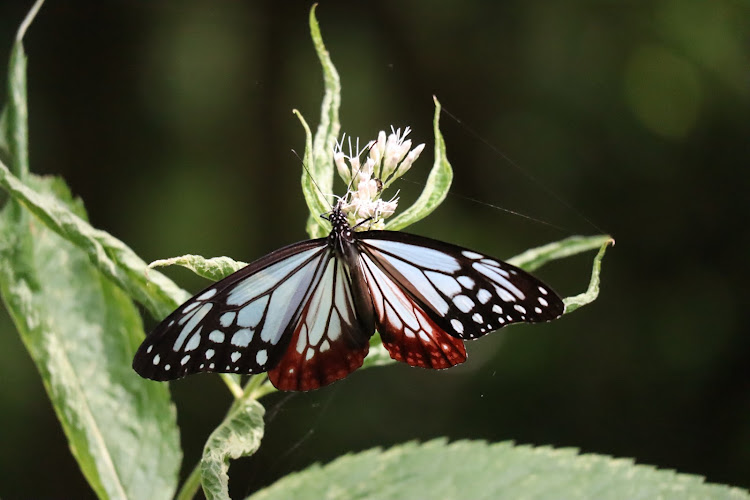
<point x="330" y="340"/>
<point x="407" y="331"/>
<point x="464" y="293"/>
<point x="238" y="324"/>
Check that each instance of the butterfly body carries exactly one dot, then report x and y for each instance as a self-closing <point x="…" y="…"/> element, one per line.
<point x="305" y="313"/>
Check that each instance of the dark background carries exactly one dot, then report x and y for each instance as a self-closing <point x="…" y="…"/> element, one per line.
<point x="172" y="120"/>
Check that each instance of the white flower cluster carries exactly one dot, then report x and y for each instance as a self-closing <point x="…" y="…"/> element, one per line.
<point x="388" y="158"/>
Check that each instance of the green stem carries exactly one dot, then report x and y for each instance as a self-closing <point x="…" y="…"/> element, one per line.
<point x="191" y="484"/>
<point x="233" y="386"/>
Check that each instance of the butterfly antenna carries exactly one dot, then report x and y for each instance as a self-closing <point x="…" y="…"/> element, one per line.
<point x="325" y="197"/>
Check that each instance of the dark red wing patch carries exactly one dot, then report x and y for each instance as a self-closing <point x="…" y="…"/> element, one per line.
<point x="407" y="332"/>
<point x="314" y="368"/>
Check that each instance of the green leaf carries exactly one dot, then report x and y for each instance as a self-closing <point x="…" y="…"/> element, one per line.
<point x="156" y="292"/>
<point x="80" y="329"/>
<point x="437" y="186"/>
<point x="239" y="435"/>
<point x="536" y="257"/>
<point x="478" y="470"/>
<point x="15" y="130"/>
<point x="590" y="295"/>
<point x="214" y="269"/>
<point x="82" y="332"/>
<point x="317" y="180"/>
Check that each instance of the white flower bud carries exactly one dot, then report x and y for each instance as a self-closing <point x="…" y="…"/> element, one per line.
<point x="343" y="169"/>
<point x="410" y="158"/>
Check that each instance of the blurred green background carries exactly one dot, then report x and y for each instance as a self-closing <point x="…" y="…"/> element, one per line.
<point x="172" y="120"/>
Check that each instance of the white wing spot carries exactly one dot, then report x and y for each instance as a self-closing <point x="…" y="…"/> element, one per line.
<point x="519" y="308"/>
<point x="538" y="310"/>
<point x="497" y="309"/>
<point x="216" y="336"/>
<point x="334" y="327"/>
<point x="302" y="339"/>
<point x="457" y="325"/>
<point x="227" y="319"/>
<point x="190" y="307"/>
<point x="170" y="324"/>
<point x="466" y="282"/>
<point x="210" y="354"/>
<point x="194" y="341"/>
<point x="211" y="366"/>
<point x="471" y="255"/>
<point x="207" y="295"/>
<point x="235" y="356"/>
<point x="484" y="296"/>
<point x="185" y="359"/>
<point x="250" y="315"/>
<point x="464" y="303"/>
<point x="542" y="301"/>
<point x="157" y="358"/>
<point x="409" y="333"/>
<point x="423" y="336"/>
<point x="167" y="366"/>
<point x="501" y="320"/>
<point x="505" y="296"/>
<point x="324" y="346"/>
<point x="446" y="284"/>
<point x="477" y="318"/>
<point x="261" y="357"/>
<point x="544" y="292"/>
<point x="150" y="348"/>
<point x="202" y="366"/>
<point x="242" y="338"/>
<point x="490" y="262"/>
<point x="309" y="354"/>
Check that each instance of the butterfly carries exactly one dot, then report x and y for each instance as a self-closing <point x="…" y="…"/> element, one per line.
<point x="305" y="313"/>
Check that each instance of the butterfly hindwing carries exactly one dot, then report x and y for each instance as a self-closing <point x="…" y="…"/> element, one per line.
<point x="407" y="331"/>
<point x="328" y="342"/>
<point x="467" y="294"/>
<point x="237" y="324"/>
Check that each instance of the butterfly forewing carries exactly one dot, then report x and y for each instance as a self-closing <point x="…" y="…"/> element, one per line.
<point x="465" y="293"/>
<point x="237" y="325"/>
